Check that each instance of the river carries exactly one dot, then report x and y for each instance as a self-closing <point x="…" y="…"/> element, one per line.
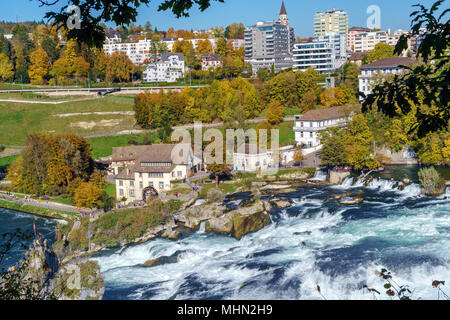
<point x="315" y="242"/>
<point x="11" y="221"/>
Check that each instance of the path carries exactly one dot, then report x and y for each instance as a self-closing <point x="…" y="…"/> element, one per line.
<point x="38" y="203"/>
<point x="47" y="102"/>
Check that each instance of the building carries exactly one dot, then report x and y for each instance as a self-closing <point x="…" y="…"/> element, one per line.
<point x="317" y="55"/>
<point x="366" y="41"/>
<point x="270" y="44"/>
<point x="352" y="33"/>
<point x="248" y="158"/>
<point x="308" y="125"/>
<point x="325" y="53"/>
<point x="151" y="169"/>
<point x="383" y="67"/>
<point x="236" y="43"/>
<point x="112" y="36"/>
<point x="357" y="58"/>
<point x="331" y="21"/>
<point x="139" y="52"/>
<point x="169" y="68"/>
<point x="211" y="61"/>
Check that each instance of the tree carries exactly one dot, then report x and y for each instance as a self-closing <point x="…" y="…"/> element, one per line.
<point x="40" y="66"/>
<point x="333" y="152"/>
<point x="423" y="84"/>
<point x="119" y="68"/>
<point x="381" y="51"/>
<point x="235" y="31"/>
<point x="221" y="47"/>
<point x="309" y="100"/>
<point x="120" y="12"/>
<point x="50" y="47"/>
<point x="298" y="155"/>
<point x="275" y="112"/>
<point x="21" y="64"/>
<point x="204" y="47"/>
<point x="6" y="67"/>
<point x="88" y="195"/>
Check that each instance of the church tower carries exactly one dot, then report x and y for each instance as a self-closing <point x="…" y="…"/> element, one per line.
<point x="283" y="15"/>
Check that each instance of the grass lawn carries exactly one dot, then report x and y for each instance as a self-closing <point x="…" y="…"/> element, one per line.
<point x="62" y="201"/>
<point x="111" y="190"/>
<point x="102" y="147"/>
<point x="19" y="119"/>
<point x="6" y="161"/>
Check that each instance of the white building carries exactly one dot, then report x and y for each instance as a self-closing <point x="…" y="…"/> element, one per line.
<point x="151" y="169"/>
<point x="366" y="41"/>
<point x="248" y="158"/>
<point x="308" y="125"/>
<point x="140" y="51"/>
<point x="169" y="68"/>
<point x="320" y="56"/>
<point x="383" y="67"/>
<point x="325" y="54"/>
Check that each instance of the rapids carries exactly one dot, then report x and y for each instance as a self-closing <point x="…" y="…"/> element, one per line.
<point x="317" y="241"/>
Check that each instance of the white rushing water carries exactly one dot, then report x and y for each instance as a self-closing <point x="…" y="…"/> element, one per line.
<point x="319" y="176"/>
<point x="315" y="242"/>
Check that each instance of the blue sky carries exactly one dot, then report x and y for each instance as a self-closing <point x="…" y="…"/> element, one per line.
<point x="394" y="13"/>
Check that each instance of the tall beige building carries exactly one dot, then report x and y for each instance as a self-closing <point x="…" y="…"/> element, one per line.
<point x="331" y="21"/>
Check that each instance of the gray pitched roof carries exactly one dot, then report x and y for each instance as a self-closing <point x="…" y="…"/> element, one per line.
<point x="389" y="63"/>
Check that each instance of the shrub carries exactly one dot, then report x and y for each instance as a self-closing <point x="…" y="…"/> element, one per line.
<point x="215" y="195"/>
<point x="431" y="181"/>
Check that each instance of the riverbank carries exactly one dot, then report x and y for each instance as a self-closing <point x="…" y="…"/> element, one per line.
<point x="35" y="210"/>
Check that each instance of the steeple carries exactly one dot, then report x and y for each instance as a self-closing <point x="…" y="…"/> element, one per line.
<point x="283" y="9"/>
<point x="283" y="15"/>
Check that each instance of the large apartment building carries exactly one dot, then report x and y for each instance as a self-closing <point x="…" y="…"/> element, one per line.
<point x="331" y="21"/>
<point x="139" y="52"/>
<point x="352" y="33"/>
<point x="325" y="53"/>
<point x="366" y="41"/>
<point x="270" y="44"/>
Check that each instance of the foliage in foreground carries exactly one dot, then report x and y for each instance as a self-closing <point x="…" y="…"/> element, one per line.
<point x="431" y="181"/>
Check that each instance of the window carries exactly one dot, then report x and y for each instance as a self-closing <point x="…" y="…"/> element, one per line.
<point x="121" y="183"/>
<point x="140" y="174"/>
<point x="131" y="192"/>
<point x="301" y="134"/>
<point x="150" y="183"/>
<point x="311" y="134"/>
<point x="121" y="192"/>
<point x="309" y="144"/>
<point x="131" y="183"/>
<point x="180" y="173"/>
<point x="141" y="185"/>
<point x="161" y="185"/>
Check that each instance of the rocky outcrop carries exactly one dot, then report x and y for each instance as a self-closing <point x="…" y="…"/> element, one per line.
<point x="281" y="204"/>
<point x="355" y="200"/>
<point x="249" y="218"/>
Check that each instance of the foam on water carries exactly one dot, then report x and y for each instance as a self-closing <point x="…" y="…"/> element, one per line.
<point x="315" y="242"/>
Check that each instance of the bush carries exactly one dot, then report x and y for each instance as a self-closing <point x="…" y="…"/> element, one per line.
<point x="215" y="195"/>
<point x="431" y="181"/>
<point x="2" y="148"/>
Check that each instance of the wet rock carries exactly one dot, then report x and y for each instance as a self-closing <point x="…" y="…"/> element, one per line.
<point x="151" y="263"/>
<point x="355" y="200"/>
<point x="281" y="204"/>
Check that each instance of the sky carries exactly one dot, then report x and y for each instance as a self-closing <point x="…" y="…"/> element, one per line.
<point x="394" y="13"/>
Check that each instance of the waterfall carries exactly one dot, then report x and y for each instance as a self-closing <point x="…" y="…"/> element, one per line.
<point x="383" y="185"/>
<point x="202" y="227"/>
<point x="348" y="182"/>
<point x="412" y="190"/>
<point x="319" y="176"/>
